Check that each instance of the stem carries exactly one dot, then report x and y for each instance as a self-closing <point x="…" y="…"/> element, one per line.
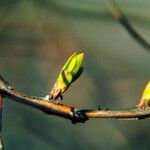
<point x="68" y="112"/>
<point x="1" y="140"/>
<point x="119" y="15"/>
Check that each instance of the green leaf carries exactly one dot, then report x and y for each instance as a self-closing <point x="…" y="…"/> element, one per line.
<point x="80" y="71"/>
<point x="68" y="74"/>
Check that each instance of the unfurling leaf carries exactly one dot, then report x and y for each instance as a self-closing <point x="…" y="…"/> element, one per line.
<point x="145" y="100"/>
<point x="68" y="74"/>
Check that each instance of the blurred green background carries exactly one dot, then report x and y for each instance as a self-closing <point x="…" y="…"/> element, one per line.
<point x="36" y="38"/>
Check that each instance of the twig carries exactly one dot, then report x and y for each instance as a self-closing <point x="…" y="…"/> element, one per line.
<point x="1" y="139"/>
<point x="68" y="112"/>
<point x="118" y="14"/>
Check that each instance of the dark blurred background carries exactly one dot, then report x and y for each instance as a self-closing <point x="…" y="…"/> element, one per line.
<point x="36" y="38"/>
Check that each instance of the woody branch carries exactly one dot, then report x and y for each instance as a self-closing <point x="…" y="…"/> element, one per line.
<point x="69" y="112"/>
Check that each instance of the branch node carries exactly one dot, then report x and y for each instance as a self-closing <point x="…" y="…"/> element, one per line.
<point x="79" y="116"/>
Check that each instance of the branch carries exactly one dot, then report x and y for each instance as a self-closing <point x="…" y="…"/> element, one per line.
<point x="118" y="14"/>
<point x="68" y="112"/>
<point x="1" y="139"/>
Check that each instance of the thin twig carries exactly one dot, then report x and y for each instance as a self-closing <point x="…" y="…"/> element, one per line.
<point x="1" y="139"/>
<point x="119" y="15"/>
<point x="68" y="112"/>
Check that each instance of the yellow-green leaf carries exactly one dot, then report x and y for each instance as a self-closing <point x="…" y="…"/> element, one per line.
<point x="145" y="100"/>
<point x="68" y="74"/>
